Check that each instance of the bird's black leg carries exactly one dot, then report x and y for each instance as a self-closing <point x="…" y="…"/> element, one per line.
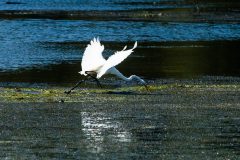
<point x="97" y="81"/>
<point x="83" y="80"/>
<point x="146" y="86"/>
<point x="77" y="84"/>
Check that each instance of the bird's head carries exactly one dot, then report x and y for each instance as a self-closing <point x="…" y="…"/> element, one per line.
<point x="141" y="81"/>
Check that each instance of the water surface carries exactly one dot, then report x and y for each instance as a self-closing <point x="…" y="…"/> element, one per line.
<point x="43" y="41"/>
<point x="39" y="48"/>
<point x="175" y="38"/>
<point x="164" y="130"/>
<point x="112" y="4"/>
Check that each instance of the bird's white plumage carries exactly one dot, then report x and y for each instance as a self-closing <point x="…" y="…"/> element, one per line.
<point x="115" y="59"/>
<point x="92" y="57"/>
<point x="93" y="61"/>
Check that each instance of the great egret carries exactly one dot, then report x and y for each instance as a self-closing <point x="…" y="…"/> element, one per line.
<point x="94" y="63"/>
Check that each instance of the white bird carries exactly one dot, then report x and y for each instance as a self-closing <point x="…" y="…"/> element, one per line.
<point x="93" y="62"/>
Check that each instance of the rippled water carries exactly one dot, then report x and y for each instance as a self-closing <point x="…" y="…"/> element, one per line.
<point x="38" y="44"/>
<point x="42" y="47"/>
<point x="112" y="4"/>
<point x="35" y="47"/>
<point x="87" y="5"/>
<point x="76" y="131"/>
<point x="78" y="31"/>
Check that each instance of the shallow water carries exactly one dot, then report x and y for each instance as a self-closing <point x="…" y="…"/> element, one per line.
<point x="162" y="131"/>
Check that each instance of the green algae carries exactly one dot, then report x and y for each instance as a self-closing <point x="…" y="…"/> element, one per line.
<point x="56" y="94"/>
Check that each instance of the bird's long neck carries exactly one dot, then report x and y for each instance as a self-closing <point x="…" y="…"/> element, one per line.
<point x="120" y="75"/>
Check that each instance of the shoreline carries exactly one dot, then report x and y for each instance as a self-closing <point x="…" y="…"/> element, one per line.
<point x="127" y="93"/>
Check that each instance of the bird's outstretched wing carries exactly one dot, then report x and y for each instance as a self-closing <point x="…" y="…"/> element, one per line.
<point x="92" y="57"/>
<point x="115" y="59"/>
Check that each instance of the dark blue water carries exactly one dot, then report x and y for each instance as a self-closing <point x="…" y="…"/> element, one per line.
<point x="85" y="4"/>
<point x="25" y="43"/>
<point x="77" y="31"/>
<point x="168" y="48"/>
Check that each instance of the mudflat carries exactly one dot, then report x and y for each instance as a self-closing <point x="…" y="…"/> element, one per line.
<point x="176" y="119"/>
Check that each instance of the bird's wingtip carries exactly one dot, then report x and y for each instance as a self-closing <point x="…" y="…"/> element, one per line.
<point x="135" y="45"/>
<point x="96" y="39"/>
<point x="124" y="48"/>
